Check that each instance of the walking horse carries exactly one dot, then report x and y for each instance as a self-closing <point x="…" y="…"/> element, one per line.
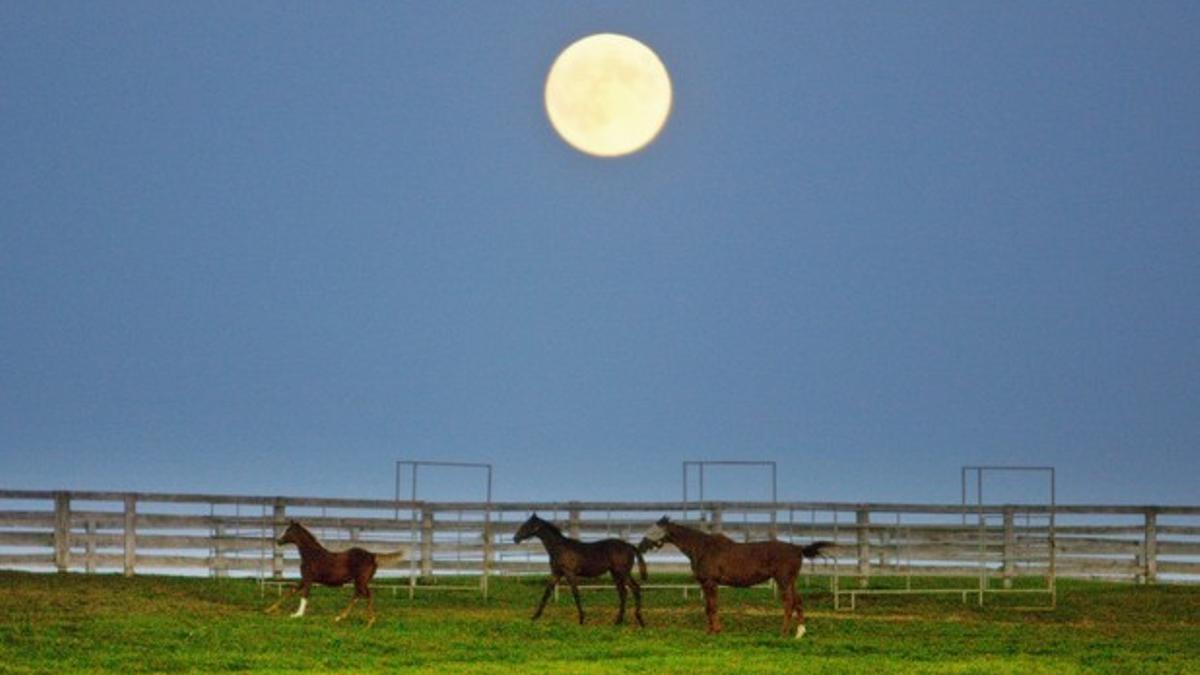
<point x="717" y="559"/>
<point x="572" y="559"/>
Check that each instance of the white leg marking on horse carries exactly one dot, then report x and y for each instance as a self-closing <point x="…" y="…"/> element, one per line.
<point x="800" y="631"/>
<point x="300" y="612"/>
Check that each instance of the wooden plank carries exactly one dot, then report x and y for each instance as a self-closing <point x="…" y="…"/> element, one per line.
<point x="15" y="559"/>
<point x="1067" y="564"/>
<point x="162" y="541"/>
<point x="1178" y="567"/>
<point x="163" y="521"/>
<point x="1181" y="548"/>
<point x="500" y="507"/>
<point x="27" y="519"/>
<point x="1179" y="530"/>
<point x="1093" y="546"/>
<point x="27" y="538"/>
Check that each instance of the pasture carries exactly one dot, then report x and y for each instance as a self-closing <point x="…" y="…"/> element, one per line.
<point x="69" y="622"/>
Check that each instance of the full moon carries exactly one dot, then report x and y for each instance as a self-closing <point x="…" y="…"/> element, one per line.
<point x="608" y="95"/>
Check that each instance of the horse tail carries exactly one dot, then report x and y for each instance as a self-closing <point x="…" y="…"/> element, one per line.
<point x="641" y="562"/>
<point x="814" y="549"/>
<point x="384" y="559"/>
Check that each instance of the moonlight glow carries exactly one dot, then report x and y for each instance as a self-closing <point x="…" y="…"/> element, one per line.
<point x="608" y="95"/>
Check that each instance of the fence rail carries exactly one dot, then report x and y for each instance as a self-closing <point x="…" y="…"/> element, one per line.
<point x="90" y="531"/>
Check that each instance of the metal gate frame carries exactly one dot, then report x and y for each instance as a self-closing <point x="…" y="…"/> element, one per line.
<point x="982" y="587"/>
<point x="414" y="467"/>
<point x="1051" y="587"/>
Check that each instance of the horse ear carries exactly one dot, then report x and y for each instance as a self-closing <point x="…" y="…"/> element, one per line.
<point x="664" y="520"/>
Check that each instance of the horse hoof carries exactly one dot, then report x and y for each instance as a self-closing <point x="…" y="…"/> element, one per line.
<point x="800" y="631"/>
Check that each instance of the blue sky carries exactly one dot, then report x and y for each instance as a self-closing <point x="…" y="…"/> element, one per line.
<point x="271" y="248"/>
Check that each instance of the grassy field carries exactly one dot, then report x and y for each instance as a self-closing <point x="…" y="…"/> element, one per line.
<point x="57" y="623"/>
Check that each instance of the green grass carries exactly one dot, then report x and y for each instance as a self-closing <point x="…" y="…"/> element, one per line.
<point x="56" y="623"/>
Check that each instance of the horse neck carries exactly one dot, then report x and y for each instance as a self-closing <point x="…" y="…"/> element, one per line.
<point x="686" y="539"/>
<point x="552" y="537"/>
<point x="308" y="544"/>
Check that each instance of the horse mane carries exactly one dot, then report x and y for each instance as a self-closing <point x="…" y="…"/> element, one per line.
<point x="308" y="537"/>
<point x="711" y="537"/>
<point x="552" y="527"/>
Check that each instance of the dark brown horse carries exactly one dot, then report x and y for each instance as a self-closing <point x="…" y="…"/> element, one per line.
<point x="320" y="565"/>
<point x="572" y="559"/>
<point x="717" y="559"/>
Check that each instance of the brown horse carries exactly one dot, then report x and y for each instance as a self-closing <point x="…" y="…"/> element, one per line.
<point x="319" y="564"/>
<point x="572" y="559"/>
<point x="717" y="559"/>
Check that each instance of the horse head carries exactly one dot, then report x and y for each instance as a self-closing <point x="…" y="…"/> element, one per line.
<point x="528" y="529"/>
<point x="656" y="536"/>
<point x="292" y="534"/>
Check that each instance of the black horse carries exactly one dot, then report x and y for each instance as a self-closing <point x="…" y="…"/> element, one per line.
<point x="573" y="559"/>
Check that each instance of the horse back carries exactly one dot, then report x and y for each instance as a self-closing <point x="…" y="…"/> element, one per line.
<point x="593" y="558"/>
<point x="749" y="563"/>
<point x="352" y="564"/>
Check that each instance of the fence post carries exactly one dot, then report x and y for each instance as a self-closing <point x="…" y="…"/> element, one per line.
<point x="278" y="522"/>
<point x="1150" y="547"/>
<point x="1010" y="541"/>
<point x="714" y="524"/>
<point x="90" y="550"/>
<point x="487" y="554"/>
<point x="130" y="535"/>
<point x="62" y="531"/>
<point x="862" y="521"/>
<point x="426" y="543"/>
<point x="573" y="518"/>
<point x="217" y="564"/>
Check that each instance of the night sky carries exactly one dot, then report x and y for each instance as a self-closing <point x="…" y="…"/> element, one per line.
<point x="272" y="248"/>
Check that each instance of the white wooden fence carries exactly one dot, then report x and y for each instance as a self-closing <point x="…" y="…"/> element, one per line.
<point x="235" y="535"/>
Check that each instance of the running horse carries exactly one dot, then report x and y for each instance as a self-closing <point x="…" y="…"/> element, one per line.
<point x="572" y="559"/>
<point x="718" y="560"/>
<point x="328" y="568"/>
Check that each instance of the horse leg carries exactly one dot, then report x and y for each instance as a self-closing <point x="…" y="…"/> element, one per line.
<point x="575" y="593"/>
<point x="365" y="581"/>
<point x="546" y="596"/>
<point x="637" y="600"/>
<point x="305" y="585"/>
<point x="789" y="603"/>
<point x="799" y="609"/>
<point x="362" y="589"/>
<point x="346" y="612"/>
<point x="710" y="606"/>
<point x="370" y="608"/>
<point x="290" y="592"/>
<point x="619" y="580"/>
